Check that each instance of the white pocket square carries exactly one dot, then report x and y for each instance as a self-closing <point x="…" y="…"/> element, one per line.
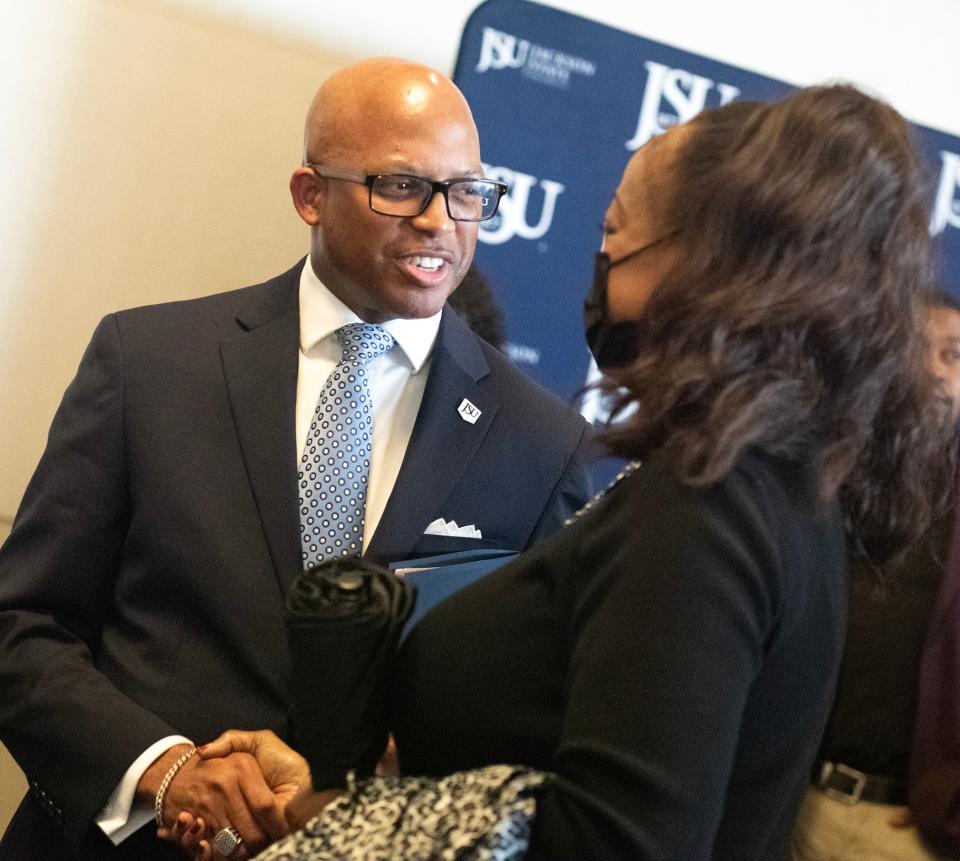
<point x="441" y="527"/>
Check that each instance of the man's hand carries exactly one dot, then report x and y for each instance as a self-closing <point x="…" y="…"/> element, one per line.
<point x="284" y="769"/>
<point x="226" y="791"/>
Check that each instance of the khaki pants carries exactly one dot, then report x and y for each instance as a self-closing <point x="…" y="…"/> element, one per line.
<point x="830" y="830"/>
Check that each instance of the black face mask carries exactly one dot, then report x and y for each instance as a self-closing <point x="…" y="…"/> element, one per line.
<point x="613" y="345"/>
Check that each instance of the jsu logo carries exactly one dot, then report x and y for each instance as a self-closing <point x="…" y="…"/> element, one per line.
<point x="946" y="209"/>
<point x="469" y="412"/>
<point x="685" y="94"/>
<point x="527" y="195"/>
<point x="502" y="51"/>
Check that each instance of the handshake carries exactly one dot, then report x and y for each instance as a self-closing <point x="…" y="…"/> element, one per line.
<point x="233" y="797"/>
<point x="245" y="790"/>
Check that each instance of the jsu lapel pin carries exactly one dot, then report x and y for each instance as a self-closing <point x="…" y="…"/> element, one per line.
<point x="468" y="412"/>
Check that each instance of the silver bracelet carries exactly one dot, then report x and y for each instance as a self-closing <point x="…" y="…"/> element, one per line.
<point x="165" y="783"/>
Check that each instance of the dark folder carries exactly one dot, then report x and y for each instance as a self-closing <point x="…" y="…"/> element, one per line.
<point x="439" y="577"/>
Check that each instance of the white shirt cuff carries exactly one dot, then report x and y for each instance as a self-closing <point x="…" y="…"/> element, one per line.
<point x="119" y="819"/>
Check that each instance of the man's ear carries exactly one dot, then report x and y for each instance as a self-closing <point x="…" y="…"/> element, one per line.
<point x="305" y="189"/>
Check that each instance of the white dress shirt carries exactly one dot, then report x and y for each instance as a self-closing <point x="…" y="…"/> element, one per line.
<point x="397" y="381"/>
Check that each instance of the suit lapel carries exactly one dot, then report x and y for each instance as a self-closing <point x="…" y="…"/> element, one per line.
<point x="442" y="443"/>
<point x="260" y="369"/>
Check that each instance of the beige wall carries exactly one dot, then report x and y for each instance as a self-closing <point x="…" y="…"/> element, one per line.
<point x="153" y="166"/>
<point x="12" y="786"/>
<point x="12" y="782"/>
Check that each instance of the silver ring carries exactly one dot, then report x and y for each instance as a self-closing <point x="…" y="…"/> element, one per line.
<point x="227" y="840"/>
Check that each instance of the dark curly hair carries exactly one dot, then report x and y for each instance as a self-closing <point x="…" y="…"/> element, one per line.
<point x="792" y="319"/>
<point x="474" y="301"/>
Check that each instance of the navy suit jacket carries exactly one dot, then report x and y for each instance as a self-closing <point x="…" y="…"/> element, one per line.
<point x="141" y="587"/>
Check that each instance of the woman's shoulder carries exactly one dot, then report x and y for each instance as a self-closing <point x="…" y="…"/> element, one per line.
<point x="765" y="508"/>
<point x="758" y="482"/>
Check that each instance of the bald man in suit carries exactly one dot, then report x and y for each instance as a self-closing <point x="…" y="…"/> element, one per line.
<point x="142" y="585"/>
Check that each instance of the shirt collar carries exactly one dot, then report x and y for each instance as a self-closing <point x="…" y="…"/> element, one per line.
<point x="322" y="313"/>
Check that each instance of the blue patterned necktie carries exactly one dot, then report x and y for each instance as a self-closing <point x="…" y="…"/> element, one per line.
<point x="336" y="456"/>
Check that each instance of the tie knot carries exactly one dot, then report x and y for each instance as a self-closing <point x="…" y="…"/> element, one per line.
<point x="363" y="342"/>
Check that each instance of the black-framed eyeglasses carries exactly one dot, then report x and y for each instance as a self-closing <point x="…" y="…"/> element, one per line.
<point x="405" y="196"/>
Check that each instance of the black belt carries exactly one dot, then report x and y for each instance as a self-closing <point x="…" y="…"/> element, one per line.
<point x="848" y="785"/>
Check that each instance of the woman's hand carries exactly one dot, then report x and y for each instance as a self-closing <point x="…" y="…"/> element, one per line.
<point x="188" y="833"/>
<point x="389" y="765"/>
<point x="307" y="805"/>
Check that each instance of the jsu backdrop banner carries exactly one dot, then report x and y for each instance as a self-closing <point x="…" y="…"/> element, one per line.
<point x="561" y="103"/>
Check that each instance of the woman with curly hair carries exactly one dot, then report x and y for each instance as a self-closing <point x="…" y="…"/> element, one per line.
<point x="669" y="658"/>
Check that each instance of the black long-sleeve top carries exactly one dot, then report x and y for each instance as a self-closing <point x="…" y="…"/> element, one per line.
<point x="671" y="656"/>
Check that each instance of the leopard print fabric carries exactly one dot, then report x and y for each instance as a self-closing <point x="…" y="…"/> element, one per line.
<point x="480" y="815"/>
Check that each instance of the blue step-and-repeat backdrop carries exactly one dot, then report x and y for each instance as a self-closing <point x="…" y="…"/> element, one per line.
<point x="561" y="103"/>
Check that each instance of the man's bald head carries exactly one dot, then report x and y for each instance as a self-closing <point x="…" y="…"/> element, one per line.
<point x="379" y="96"/>
<point x="386" y="117"/>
